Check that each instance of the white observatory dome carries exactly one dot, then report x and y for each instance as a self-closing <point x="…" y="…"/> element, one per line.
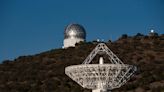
<point x="74" y="33"/>
<point x="74" y="30"/>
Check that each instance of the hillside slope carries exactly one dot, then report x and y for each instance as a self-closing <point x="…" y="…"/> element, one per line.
<point x="44" y="72"/>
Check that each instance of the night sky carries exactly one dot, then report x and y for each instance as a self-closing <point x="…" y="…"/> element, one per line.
<point x="29" y="27"/>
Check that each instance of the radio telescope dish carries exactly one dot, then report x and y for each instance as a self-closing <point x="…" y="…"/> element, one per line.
<point x="103" y="76"/>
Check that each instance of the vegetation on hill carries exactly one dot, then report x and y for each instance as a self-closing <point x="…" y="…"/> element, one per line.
<point x="44" y="72"/>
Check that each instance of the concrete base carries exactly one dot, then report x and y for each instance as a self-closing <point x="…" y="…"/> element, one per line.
<point x="70" y="42"/>
<point x="96" y="90"/>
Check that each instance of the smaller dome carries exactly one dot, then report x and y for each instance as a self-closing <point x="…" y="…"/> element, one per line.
<point x="75" y="31"/>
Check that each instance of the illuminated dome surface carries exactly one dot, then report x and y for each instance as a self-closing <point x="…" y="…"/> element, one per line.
<point x="75" y="31"/>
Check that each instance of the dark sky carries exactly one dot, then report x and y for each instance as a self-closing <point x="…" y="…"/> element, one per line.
<point x="29" y="27"/>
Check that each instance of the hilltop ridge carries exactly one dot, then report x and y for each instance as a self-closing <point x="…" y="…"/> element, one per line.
<point x="44" y="72"/>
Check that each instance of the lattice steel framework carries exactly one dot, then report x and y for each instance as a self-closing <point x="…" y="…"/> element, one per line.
<point x="101" y="77"/>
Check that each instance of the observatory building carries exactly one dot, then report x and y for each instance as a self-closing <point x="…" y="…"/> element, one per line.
<point x="74" y="33"/>
<point x="153" y="33"/>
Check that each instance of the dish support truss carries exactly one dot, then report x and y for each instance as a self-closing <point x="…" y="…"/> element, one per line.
<point x="101" y="77"/>
<point x="102" y="48"/>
